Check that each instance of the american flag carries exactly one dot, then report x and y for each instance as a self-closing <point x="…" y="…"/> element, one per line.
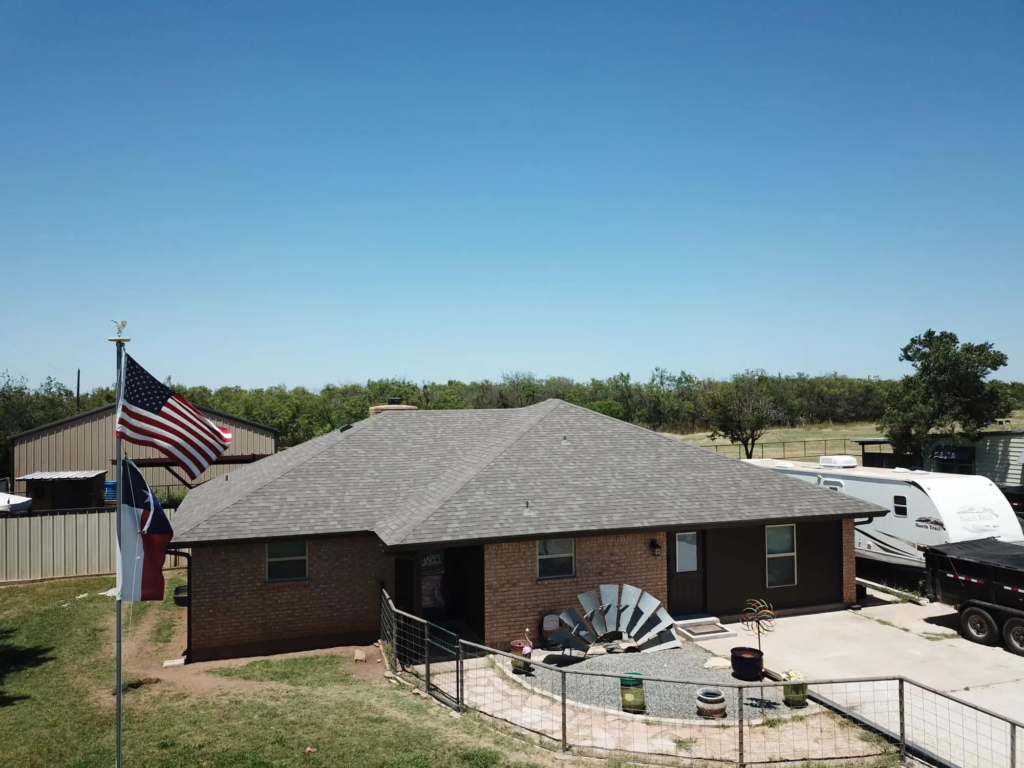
<point x="152" y="414"/>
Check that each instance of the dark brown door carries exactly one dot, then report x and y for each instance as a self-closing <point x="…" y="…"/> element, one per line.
<point x="686" y="573"/>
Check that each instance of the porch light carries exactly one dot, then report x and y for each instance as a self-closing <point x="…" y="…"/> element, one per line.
<point x="655" y="546"/>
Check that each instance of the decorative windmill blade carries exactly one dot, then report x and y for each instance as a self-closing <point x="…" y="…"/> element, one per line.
<point x="660" y="621"/>
<point x="645" y="609"/>
<point x="565" y="639"/>
<point x="578" y="625"/>
<point x="627" y="604"/>
<point x="592" y="610"/>
<point x="610" y="605"/>
<point x="662" y="641"/>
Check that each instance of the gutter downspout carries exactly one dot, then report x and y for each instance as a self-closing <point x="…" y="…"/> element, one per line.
<point x="188" y="608"/>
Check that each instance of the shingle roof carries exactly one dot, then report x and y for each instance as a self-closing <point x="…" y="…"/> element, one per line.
<point x="416" y="477"/>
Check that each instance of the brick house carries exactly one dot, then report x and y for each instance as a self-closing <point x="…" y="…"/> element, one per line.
<point x="485" y="520"/>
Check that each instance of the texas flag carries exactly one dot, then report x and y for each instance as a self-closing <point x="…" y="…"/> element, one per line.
<point x="145" y="534"/>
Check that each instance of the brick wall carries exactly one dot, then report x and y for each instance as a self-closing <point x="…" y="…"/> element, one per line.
<point x="849" y="564"/>
<point x="236" y="612"/>
<point x="514" y="598"/>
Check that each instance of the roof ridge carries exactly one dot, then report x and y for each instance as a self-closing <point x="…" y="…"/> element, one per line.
<point x="474" y="469"/>
<point x="285" y="468"/>
<point x="663" y="436"/>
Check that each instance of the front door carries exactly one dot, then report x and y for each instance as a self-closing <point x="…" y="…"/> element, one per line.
<point x="686" y="573"/>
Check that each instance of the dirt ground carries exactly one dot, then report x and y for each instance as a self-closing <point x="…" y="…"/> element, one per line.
<point x="142" y="661"/>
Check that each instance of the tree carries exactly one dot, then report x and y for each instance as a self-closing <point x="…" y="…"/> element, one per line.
<point x="743" y="409"/>
<point x="947" y="392"/>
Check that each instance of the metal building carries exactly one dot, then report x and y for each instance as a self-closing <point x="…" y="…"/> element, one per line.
<point x="86" y="443"/>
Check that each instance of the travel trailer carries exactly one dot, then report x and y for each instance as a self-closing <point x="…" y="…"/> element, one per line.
<point x="926" y="508"/>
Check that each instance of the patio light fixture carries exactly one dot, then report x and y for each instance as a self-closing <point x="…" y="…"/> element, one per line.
<point x="655" y="546"/>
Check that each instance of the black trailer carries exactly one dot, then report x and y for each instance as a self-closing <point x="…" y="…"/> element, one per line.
<point x="984" y="579"/>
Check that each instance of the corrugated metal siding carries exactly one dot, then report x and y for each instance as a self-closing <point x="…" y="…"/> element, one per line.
<point x="61" y="544"/>
<point x="88" y="443"/>
<point x="998" y="458"/>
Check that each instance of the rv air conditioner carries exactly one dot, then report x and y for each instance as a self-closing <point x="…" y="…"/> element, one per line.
<point x="837" y="462"/>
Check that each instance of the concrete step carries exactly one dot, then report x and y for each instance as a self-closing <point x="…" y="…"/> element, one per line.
<point x="701" y="628"/>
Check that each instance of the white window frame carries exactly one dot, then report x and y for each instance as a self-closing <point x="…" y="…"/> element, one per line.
<point x="304" y="558"/>
<point x="696" y="552"/>
<point x="768" y="557"/>
<point x="571" y="554"/>
<point x="896" y="506"/>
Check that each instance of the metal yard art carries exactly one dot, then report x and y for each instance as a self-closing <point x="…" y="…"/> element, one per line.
<point x="626" y="619"/>
<point x="758" y="618"/>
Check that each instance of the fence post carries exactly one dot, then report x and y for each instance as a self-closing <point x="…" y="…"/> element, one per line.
<point x="565" y="730"/>
<point x="739" y="719"/>
<point x="426" y="651"/>
<point x="458" y="673"/>
<point x="903" y="725"/>
<point x="1013" y="745"/>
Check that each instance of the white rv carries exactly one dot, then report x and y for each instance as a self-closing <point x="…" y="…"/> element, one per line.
<point x="926" y="508"/>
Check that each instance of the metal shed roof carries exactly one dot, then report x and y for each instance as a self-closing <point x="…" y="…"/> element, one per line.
<point x="77" y="474"/>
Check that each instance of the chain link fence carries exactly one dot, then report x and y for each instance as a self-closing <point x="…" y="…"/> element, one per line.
<point x="555" y="704"/>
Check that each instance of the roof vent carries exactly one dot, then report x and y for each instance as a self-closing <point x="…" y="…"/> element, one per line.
<point x="394" y="401"/>
<point x="527" y="512"/>
<point x="902" y="470"/>
<point x="837" y="462"/>
<point x="784" y="464"/>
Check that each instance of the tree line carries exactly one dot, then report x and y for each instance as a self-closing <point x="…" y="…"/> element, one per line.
<point x="741" y="408"/>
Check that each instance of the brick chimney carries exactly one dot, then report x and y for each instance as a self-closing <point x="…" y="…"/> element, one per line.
<point x="394" y="404"/>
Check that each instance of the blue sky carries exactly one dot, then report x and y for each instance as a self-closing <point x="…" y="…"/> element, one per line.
<point x="307" y="193"/>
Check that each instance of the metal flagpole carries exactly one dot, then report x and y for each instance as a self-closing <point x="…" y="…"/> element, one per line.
<point x="120" y="342"/>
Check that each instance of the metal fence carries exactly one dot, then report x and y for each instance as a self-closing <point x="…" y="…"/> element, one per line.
<point x="798" y="449"/>
<point x="861" y="721"/>
<point x="62" y="543"/>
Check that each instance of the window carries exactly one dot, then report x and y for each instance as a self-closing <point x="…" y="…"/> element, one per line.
<point x="780" y="551"/>
<point x="899" y="506"/>
<point x="833" y="485"/>
<point x="686" y="552"/>
<point x="556" y="558"/>
<point x="287" y="560"/>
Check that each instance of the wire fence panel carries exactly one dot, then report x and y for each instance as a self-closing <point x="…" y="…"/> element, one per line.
<point x="863" y="722"/>
<point x="960" y="733"/>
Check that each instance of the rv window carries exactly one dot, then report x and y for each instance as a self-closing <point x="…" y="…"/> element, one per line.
<point x="899" y="506"/>
<point x="833" y="485"/>
<point x="780" y="555"/>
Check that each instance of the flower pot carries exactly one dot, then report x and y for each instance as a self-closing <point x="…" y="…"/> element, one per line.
<point x="631" y="688"/>
<point x="710" y="703"/>
<point x="180" y="595"/>
<point x="795" y="695"/>
<point x="520" y="652"/>
<point x="747" y="664"/>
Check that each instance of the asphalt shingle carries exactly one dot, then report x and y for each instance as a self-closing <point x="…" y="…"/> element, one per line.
<point x="418" y="477"/>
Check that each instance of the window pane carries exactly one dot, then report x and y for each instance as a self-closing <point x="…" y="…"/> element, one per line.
<point x="686" y="552"/>
<point x="781" y="571"/>
<point x="899" y="501"/>
<point x="550" y="567"/>
<point x="781" y="539"/>
<point x="554" y="547"/>
<point x="286" y="549"/>
<point x="282" y="570"/>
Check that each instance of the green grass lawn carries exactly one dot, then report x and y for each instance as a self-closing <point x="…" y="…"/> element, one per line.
<point x="57" y="703"/>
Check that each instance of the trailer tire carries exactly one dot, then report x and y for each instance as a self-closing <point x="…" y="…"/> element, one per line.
<point x="1013" y="636"/>
<point x="978" y="626"/>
